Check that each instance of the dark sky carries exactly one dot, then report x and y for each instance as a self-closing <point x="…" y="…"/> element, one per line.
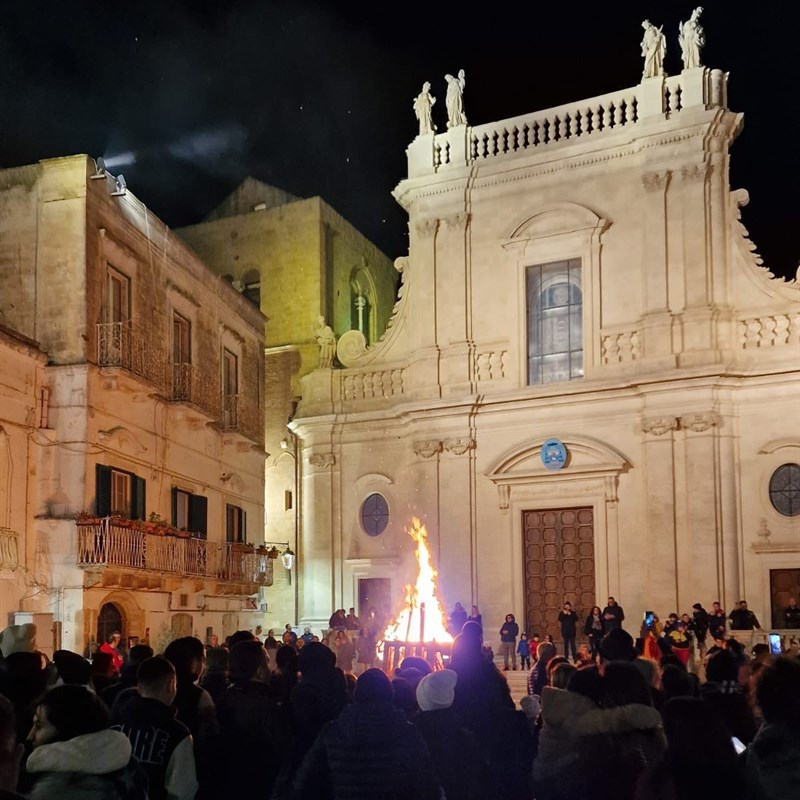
<point x="316" y="97"/>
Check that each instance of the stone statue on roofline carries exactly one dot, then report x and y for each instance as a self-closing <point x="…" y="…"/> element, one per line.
<point x="327" y="343"/>
<point x="654" y="48"/>
<point x="454" y="99"/>
<point x="691" y="38"/>
<point x="423" y="105"/>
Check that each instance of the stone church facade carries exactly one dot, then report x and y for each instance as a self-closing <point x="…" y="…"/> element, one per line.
<point x="579" y="274"/>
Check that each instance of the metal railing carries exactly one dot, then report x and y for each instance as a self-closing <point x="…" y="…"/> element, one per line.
<point x="190" y="385"/>
<point x="106" y="543"/>
<point x="238" y="414"/>
<point x="122" y="344"/>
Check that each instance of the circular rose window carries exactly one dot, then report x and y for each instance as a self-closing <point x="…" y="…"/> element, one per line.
<point x="374" y="515"/>
<point x="784" y="490"/>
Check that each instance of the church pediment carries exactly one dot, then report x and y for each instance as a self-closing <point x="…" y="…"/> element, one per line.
<point x="555" y="220"/>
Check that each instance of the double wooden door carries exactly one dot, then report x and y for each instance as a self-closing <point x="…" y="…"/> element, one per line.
<point x="558" y="547"/>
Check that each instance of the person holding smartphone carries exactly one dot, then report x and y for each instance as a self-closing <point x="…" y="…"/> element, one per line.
<point x="568" y="620"/>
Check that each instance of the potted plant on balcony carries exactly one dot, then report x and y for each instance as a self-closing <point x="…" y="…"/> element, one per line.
<point x="85" y="518"/>
<point x="273" y="552"/>
<point x="155" y="524"/>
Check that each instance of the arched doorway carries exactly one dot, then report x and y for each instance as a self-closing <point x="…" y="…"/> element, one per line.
<point x="110" y="619"/>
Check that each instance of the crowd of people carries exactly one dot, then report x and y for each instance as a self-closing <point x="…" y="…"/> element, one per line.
<point x="290" y="719"/>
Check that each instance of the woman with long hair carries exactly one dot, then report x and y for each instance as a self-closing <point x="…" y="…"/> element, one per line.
<point x="593" y="629"/>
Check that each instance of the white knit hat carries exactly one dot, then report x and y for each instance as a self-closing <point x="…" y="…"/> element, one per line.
<point x="437" y="690"/>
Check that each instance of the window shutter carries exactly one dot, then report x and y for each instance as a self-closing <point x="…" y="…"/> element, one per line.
<point x="138" y="497"/>
<point x="175" y="507"/>
<point x="198" y="515"/>
<point x="102" y="499"/>
<point x="242" y="525"/>
<point x="229" y="512"/>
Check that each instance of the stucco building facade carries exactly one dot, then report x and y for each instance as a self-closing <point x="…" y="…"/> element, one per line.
<point x="300" y="262"/>
<point x="139" y="502"/>
<point x="578" y="274"/>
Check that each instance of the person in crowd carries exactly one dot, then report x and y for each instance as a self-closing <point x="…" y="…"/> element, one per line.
<point x="284" y="678"/>
<point x="258" y="634"/>
<point x="533" y="645"/>
<point x="338" y="620"/>
<point x="292" y="635"/>
<point x="345" y="651"/>
<point x="138" y="654"/>
<point x="103" y="673"/>
<point x="271" y="645"/>
<point x="559" y="677"/>
<point x="458" y="760"/>
<point x="773" y="759"/>
<point x="554" y="662"/>
<point x="791" y="614"/>
<point x="700" y="617"/>
<point x="413" y="669"/>
<point x="475" y="616"/>
<point x="215" y="677"/>
<point x="584" y="655"/>
<point x="23" y="680"/>
<point x="112" y="647"/>
<point x="353" y="622"/>
<point x="369" y="751"/>
<point x="568" y="620"/>
<point x="72" y="668"/>
<point x="404" y="698"/>
<point x="458" y="617"/>
<point x="613" y="616"/>
<point x="652" y="676"/>
<point x="161" y="744"/>
<point x="617" y="646"/>
<point x="743" y="619"/>
<point x="253" y="729"/>
<point x="681" y="646"/>
<point x="194" y="706"/>
<point x="593" y="629"/>
<point x="524" y="651"/>
<point x="240" y="636"/>
<point x="651" y="632"/>
<point x="365" y="650"/>
<point x="537" y="679"/>
<point x="700" y="761"/>
<point x="306" y="636"/>
<point x="11" y="752"/>
<point x="677" y="682"/>
<point x="75" y="755"/>
<point x="717" y="621"/>
<point x="508" y="641"/>
<point x="723" y="693"/>
<point x="554" y="776"/>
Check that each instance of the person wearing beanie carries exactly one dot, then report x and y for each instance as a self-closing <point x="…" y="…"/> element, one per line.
<point x="458" y="760"/>
<point x="369" y="751"/>
<point x="617" y="646"/>
<point x="72" y="669"/>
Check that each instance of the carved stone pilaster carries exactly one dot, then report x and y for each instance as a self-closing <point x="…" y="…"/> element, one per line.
<point x="427" y="448"/>
<point x="700" y="422"/>
<point x="456" y="221"/>
<point x="427" y="227"/>
<point x="322" y="460"/>
<point x="503" y="495"/>
<point x="458" y="446"/>
<point x="656" y="181"/>
<point x="658" y="426"/>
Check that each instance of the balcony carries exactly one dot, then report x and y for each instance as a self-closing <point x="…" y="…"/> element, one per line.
<point x="9" y="549"/>
<point x="105" y="543"/>
<point x="190" y="385"/>
<point x="122" y="344"/>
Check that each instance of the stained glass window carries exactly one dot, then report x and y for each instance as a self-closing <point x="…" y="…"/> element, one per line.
<point x="374" y="515"/>
<point x="784" y="490"/>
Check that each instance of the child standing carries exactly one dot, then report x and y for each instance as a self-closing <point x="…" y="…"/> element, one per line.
<point x="524" y="650"/>
<point x="533" y="645"/>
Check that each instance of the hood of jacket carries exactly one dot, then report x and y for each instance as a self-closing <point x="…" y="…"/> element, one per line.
<point x="620" y="720"/>
<point x="560" y="707"/>
<point x="91" y="754"/>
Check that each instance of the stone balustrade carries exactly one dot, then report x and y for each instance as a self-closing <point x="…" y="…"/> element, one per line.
<point x="769" y="331"/>
<point x="619" y="347"/>
<point x="106" y="544"/>
<point x="366" y="385"/>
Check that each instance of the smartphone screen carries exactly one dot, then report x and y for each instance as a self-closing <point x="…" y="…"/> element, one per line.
<point x="775" y="644"/>
<point x="649" y="616"/>
<point x="738" y="745"/>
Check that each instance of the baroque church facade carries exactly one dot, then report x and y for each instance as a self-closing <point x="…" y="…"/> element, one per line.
<point x="588" y="387"/>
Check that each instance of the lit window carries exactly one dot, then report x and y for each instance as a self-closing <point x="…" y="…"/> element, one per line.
<point x="235" y="523"/>
<point x="555" y="322"/>
<point x="120" y="493"/>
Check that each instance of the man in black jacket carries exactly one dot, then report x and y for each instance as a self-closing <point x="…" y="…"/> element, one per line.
<point x="162" y="745"/>
<point x="613" y="615"/>
<point x="508" y="641"/>
<point x="743" y="619"/>
<point x="791" y="615"/>
<point x="700" y="617"/>
<point x="568" y="620"/>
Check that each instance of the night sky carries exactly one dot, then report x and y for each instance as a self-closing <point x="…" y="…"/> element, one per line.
<point x="188" y="97"/>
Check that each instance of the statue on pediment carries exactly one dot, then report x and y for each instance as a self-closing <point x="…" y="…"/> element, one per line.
<point x="654" y="48"/>
<point x="691" y="38"/>
<point x="423" y="106"/>
<point x="454" y="100"/>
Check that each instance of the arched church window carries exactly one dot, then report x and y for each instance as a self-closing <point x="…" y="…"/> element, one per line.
<point x="784" y="490"/>
<point x="555" y="322"/>
<point x="363" y="300"/>
<point x="374" y="515"/>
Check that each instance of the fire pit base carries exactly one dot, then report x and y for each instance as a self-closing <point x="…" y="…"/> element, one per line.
<point x="434" y="653"/>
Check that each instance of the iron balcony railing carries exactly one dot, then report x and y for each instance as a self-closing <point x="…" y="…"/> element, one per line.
<point x="106" y="543"/>
<point x="122" y="344"/>
<point x="238" y="414"/>
<point x="190" y="385"/>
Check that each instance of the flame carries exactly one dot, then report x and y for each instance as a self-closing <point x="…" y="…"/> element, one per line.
<point x="411" y="625"/>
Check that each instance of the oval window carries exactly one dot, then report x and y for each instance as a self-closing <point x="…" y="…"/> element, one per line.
<point x="784" y="490"/>
<point x="374" y="515"/>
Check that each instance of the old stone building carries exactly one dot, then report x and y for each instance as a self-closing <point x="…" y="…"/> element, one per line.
<point x="308" y="269"/>
<point x="132" y="464"/>
<point x="590" y="384"/>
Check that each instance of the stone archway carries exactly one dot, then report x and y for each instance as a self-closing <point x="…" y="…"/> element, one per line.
<point x="131" y="614"/>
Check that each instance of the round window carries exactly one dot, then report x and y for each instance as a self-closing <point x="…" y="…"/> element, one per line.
<point x="784" y="490"/>
<point x="374" y="515"/>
